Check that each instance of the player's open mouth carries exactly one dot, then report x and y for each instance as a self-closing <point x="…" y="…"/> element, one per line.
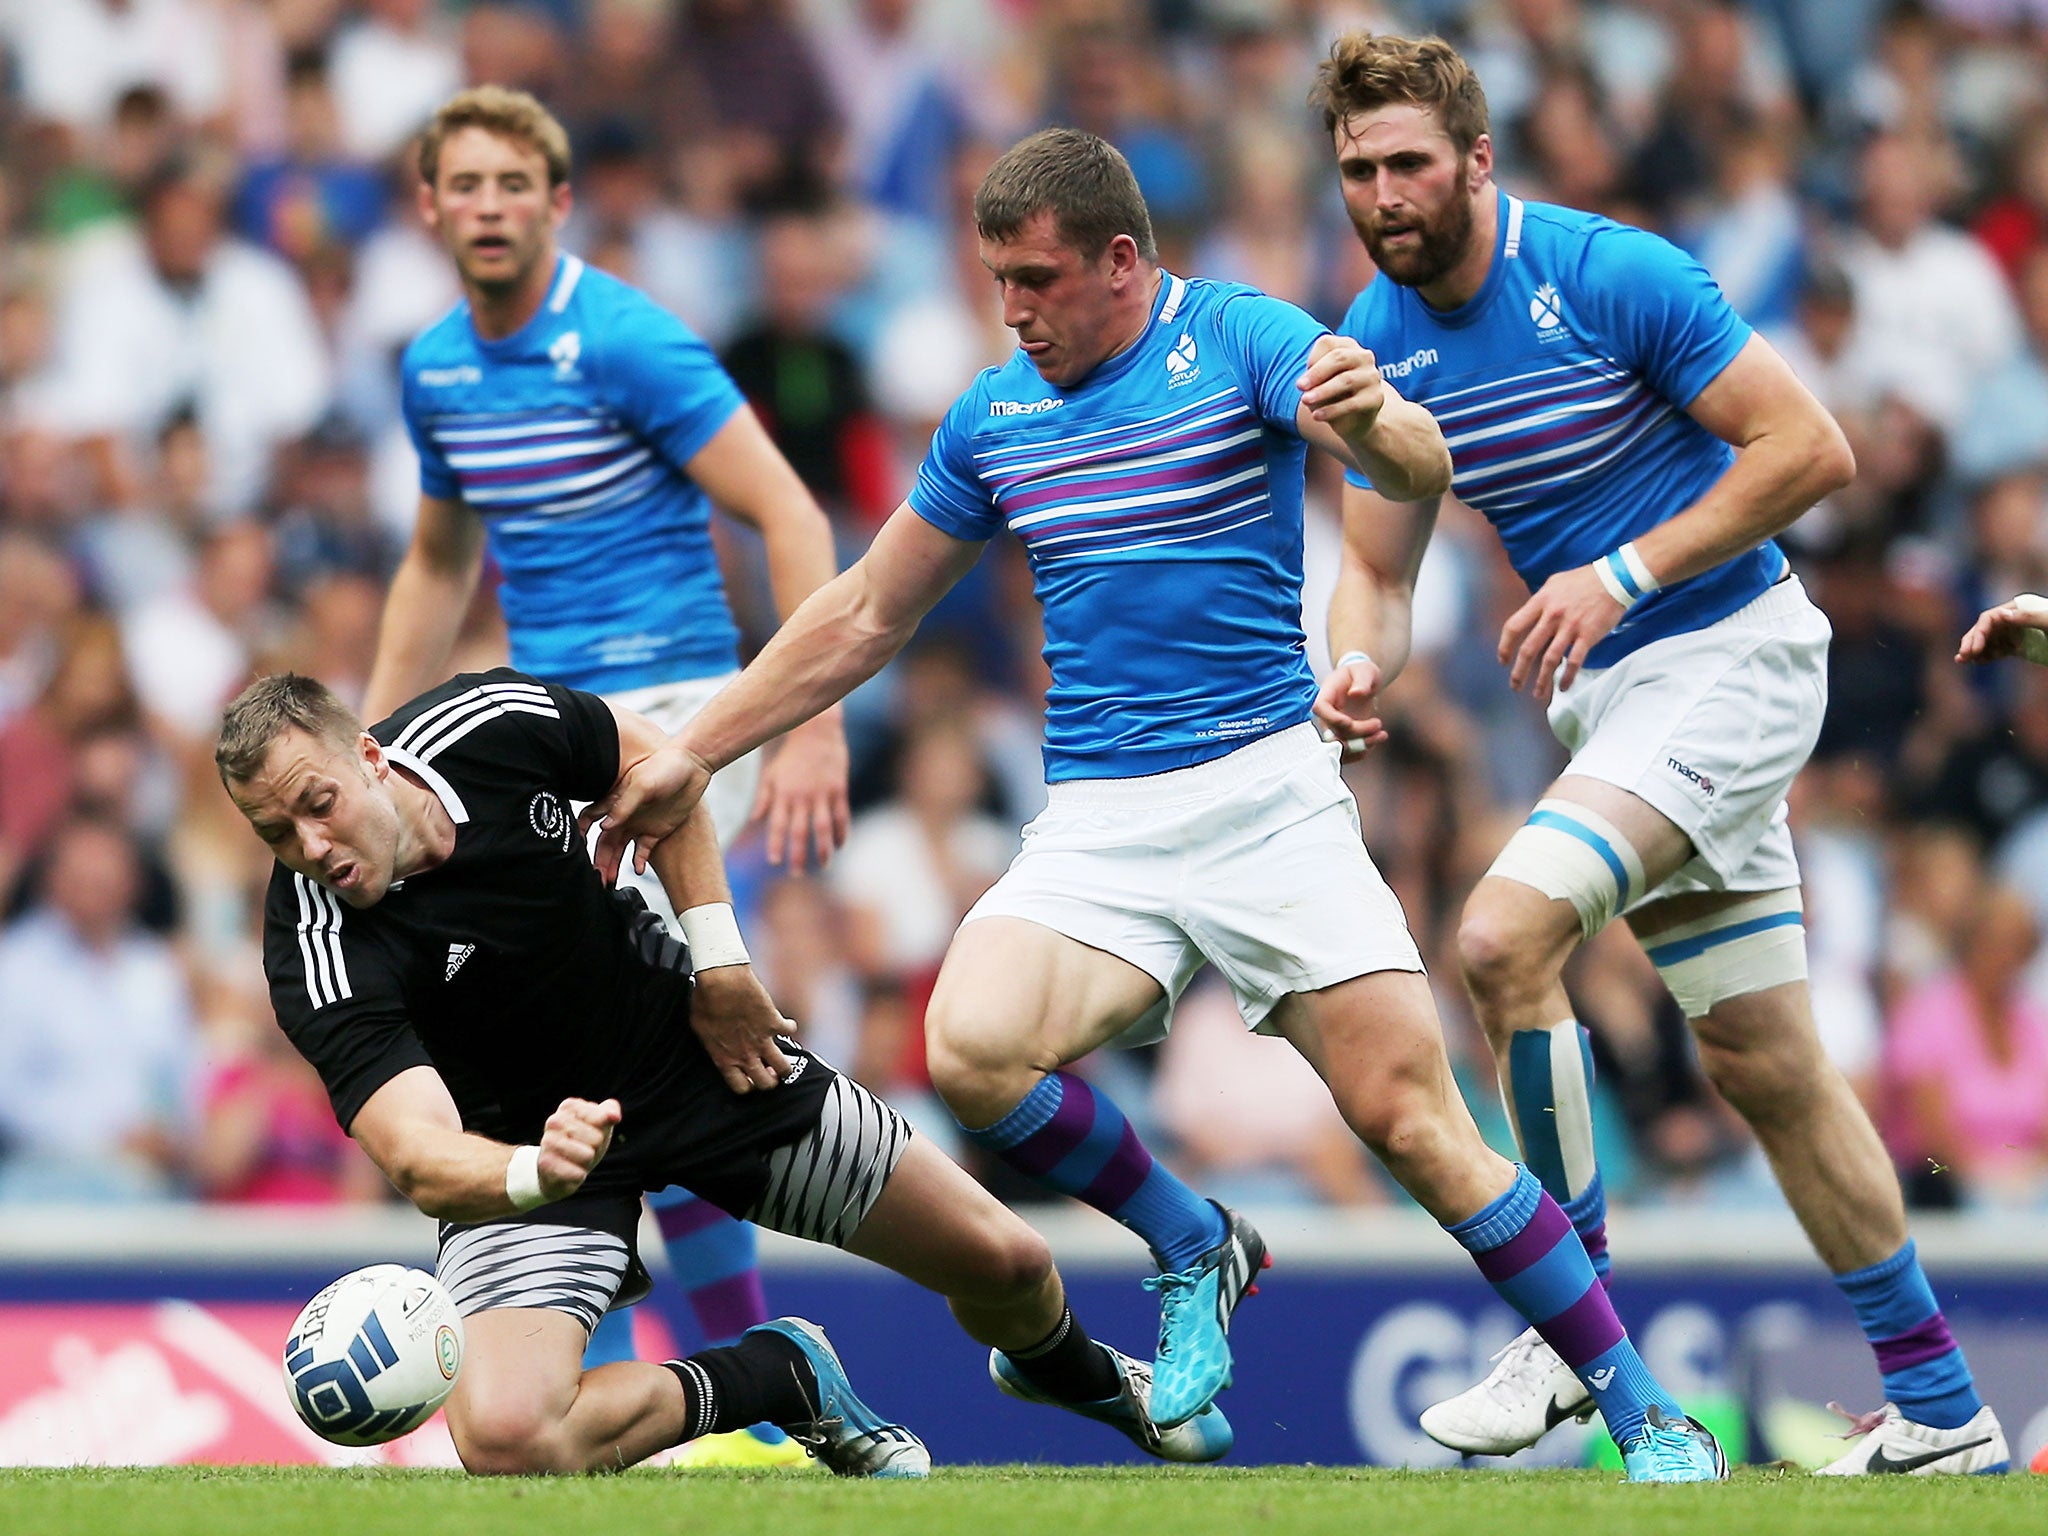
<point x="490" y="245"/>
<point x="341" y="879"/>
<point x="1036" y="348"/>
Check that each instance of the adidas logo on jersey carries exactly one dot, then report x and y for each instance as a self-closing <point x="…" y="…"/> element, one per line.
<point x="457" y="953"/>
<point x="1180" y="362"/>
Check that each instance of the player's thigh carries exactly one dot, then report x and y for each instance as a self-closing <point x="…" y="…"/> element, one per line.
<point x="1377" y="1042"/>
<point x="934" y="1224"/>
<point x="1014" y="992"/>
<point x="1735" y="961"/>
<point x="520" y="1370"/>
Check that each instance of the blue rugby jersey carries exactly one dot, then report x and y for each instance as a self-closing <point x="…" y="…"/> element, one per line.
<point x="569" y="438"/>
<point x="1159" y="501"/>
<point x="1561" y="387"/>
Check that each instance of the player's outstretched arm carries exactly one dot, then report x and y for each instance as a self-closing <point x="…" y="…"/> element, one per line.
<point x="423" y="611"/>
<point x="1788" y="454"/>
<point x="1371" y="611"/>
<point x="836" y="641"/>
<point x="412" y="1130"/>
<point x="2018" y="628"/>
<point x="1350" y="411"/>
<point x="729" y="1008"/>
<point x="803" y="787"/>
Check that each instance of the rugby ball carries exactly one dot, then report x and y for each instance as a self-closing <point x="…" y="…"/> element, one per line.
<point x="373" y="1355"/>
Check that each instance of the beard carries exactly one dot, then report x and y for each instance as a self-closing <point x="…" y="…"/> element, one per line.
<point x="1441" y="248"/>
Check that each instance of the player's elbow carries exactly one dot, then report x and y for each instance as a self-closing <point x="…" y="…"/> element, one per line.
<point x="1434" y="478"/>
<point x="1834" y="461"/>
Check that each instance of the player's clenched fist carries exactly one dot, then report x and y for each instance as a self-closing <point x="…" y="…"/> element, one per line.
<point x="576" y="1139"/>
<point x="1342" y="384"/>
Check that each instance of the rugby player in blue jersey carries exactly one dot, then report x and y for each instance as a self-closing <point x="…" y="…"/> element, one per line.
<point x="1636" y="446"/>
<point x="1146" y="444"/>
<point x="581" y="433"/>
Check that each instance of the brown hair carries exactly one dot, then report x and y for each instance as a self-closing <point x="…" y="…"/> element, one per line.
<point x="1365" y="72"/>
<point x="266" y="709"/>
<point x="508" y="113"/>
<point x="1080" y="179"/>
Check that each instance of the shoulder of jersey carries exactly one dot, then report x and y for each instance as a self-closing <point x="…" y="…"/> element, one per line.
<point x="450" y="330"/>
<point x="465" y="713"/>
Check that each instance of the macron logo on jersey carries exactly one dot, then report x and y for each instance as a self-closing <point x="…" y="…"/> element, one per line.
<point x="1180" y="362"/>
<point x="1022" y="407"/>
<point x="441" y="378"/>
<point x="1421" y="357"/>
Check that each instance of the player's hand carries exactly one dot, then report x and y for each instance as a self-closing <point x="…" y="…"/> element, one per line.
<point x="2017" y="628"/>
<point x="1342" y="386"/>
<point x="1347" y="706"/>
<point x="738" y="1023"/>
<point x="576" y="1139"/>
<point x="651" y="800"/>
<point x="803" y="792"/>
<point x="1546" y="640"/>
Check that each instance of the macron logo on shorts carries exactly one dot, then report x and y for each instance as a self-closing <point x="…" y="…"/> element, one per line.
<point x="1692" y="776"/>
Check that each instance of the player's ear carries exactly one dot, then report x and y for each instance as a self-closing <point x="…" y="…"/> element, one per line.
<point x="430" y="215"/>
<point x="1479" y="164"/>
<point x="560" y="200"/>
<point x="373" y="757"/>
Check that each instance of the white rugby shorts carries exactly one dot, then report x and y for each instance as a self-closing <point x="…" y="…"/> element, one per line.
<point x="1711" y="728"/>
<point x="731" y="795"/>
<point x="1252" y="862"/>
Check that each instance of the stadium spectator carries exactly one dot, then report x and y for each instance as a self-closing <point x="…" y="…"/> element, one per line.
<point x="390" y="69"/>
<point x="189" y="650"/>
<point x="1967" y="1059"/>
<point x="1933" y="313"/>
<point x="180" y="317"/>
<point x="2007" y="424"/>
<point x="95" y="1035"/>
<point x="312" y="194"/>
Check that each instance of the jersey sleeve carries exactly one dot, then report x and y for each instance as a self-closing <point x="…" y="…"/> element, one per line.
<point x="1268" y="341"/>
<point x="949" y="493"/>
<point x="436" y="478"/>
<point x="1358" y="325"/>
<point x="1659" y="310"/>
<point x="336" y="993"/>
<point x="666" y="383"/>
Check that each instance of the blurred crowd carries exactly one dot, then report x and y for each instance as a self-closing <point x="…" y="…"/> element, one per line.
<point x="209" y="261"/>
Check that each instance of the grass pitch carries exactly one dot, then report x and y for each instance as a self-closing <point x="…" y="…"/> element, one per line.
<point x="994" y="1501"/>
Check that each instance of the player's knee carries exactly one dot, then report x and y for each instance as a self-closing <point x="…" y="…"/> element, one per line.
<point x="1760" y="1074"/>
<point x="1018" y="1262"/>
<point x="1497" y="954"/>
<point x="508" y="1439"/>
<point x="980" y="1076"/>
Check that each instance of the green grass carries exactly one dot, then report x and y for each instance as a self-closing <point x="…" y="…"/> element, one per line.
<point x="263" y="1501"/>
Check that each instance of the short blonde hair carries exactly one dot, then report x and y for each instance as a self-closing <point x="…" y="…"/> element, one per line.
<point x="508" y="113"/>
<point x="1365" y="72"/>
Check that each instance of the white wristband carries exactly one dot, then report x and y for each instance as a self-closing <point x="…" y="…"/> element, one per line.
<point x="522" y="1179"/>
<point x="1350" y="656"/>
<point x="1625" y="576"/>
<point x="713" y="935"/>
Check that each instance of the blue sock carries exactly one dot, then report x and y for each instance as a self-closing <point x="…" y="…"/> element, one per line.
<point x="611" y="1341"/>
<point x="1524" y="1245"/>
<point x="713" y="1256"/>
<point x="1922" y="1365"/>
<point x="1550" y="1096"/>
<point x="1071" y="1137"/>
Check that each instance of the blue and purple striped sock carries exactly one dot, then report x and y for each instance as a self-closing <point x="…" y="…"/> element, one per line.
<point x="1525" y="1246"/>
<point x="1071" y="1137"/>
<point x="1922" y="1365"/>
<point x="713" y="1256"/>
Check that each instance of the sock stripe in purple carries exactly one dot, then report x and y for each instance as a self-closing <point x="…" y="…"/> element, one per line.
<point x="1127" y="1169"/>
<point x="1528" y="1246"/>
<point x="1046" y="1148"/>
<point x="727" y="1308"/>
<point x="1585" y="1330"/>
<point x="1930" y="1341"/>
<point x="687" y="1219"/>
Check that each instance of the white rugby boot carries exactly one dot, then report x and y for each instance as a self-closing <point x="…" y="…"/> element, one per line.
<point x="1527" y="1394"/>
<point x="1894" y="1443"/>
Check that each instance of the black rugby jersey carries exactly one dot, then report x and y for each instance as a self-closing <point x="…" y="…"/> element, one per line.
<point x="509" y="968"/>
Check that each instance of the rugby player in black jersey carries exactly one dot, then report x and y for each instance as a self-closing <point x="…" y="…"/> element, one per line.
<point x="524" y="1052"/>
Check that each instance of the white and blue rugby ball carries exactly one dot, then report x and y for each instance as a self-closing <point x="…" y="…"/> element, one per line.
<point x="373" y="1355"/>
